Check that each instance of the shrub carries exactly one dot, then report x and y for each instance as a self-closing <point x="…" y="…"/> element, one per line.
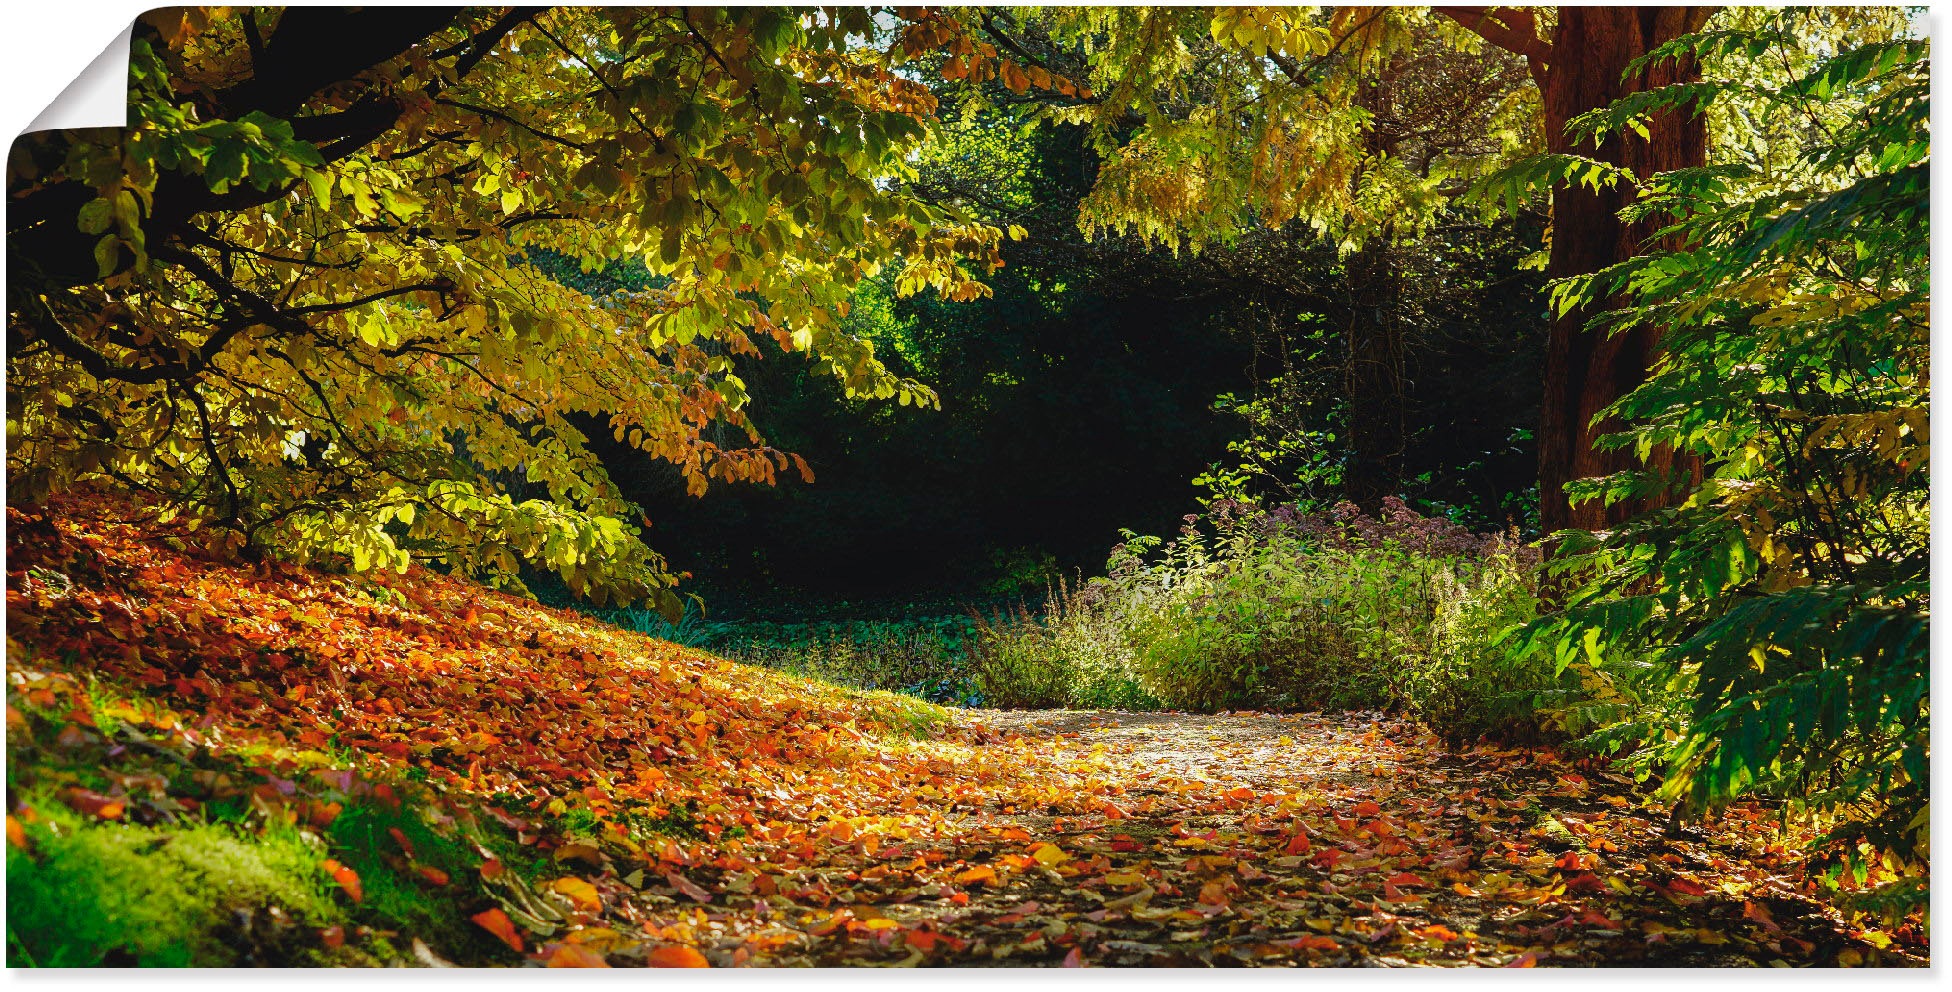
<point x="1277" y="608"/>
<point x="1076" y="654"/>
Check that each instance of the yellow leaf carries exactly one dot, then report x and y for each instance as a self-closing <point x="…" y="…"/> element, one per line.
<point x="580" y="893"/>
<point x="1049" y="855"/>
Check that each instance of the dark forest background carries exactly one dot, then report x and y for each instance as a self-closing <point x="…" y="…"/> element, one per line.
<point x="1108" y="385"/>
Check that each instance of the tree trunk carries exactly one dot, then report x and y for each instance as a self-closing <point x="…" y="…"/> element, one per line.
<point x="1586" y="371"/>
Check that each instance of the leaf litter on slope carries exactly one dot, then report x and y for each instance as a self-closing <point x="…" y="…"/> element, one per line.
<point x="698" y="812"/>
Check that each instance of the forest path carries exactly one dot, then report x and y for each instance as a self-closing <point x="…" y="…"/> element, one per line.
<point x="1336" y="840"/>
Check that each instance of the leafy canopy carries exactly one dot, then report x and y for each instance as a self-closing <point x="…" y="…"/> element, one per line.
<point x="313" y="307"/>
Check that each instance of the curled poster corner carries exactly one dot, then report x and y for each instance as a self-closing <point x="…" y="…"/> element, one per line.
<point x="99" y="95"/>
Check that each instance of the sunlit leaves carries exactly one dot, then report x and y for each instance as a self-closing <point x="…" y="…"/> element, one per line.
<point x="366" y="361"/>
<point x="1786" y="596"/>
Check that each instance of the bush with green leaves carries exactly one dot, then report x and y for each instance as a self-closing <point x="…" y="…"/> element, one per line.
<point x="1280" y="609"/>
<point x="1076" y="654"/>
<point x="1786" y="590"/>
<point x="1257" y="607"/>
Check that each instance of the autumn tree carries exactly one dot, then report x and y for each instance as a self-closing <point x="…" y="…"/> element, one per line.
<point x="297" y="300"/>
<point x="1584" y="60"/>
<point x="1364" y="123"/>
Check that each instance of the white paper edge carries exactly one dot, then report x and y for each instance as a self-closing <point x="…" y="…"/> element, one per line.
<point x="99" y="95"/>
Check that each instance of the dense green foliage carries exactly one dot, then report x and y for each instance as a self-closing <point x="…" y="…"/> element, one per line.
<point x="1787" y="594"/>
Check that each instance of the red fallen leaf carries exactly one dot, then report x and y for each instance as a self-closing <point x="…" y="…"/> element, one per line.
<point x="1075" y="959"/>
<point x="1113" y="812"/>
<point x="93" y="803"/>
<point x="676" y="956"/>
<point x="1686" y="887"/>
<point x="333" y="936"/>
<point x="432" y="874"/>
<point x="1368" y="807"/>
<point x="687" y="886"/>
<point x="346" y="877"/>
<point x="1379" y="828"/>
<point x="1298" y="844"/>
<point x="1437" y="931"/>
<point x="1244" y="794"/>
<point x="573" y="956"/>
<point x="491" y="869"/>
<point x="1758" y="912"/>
<point x="1585" y="881"/>
<point x="1213" y="894"/>
<point x="497" y="922"/>
<point x="1593" y="918"/>
<point x="1406" y="878"/>
<point x="1529" y="959"/>
<point x="16" y="834"/>
<point x="1571" y="861"/>
<point x="401" y="839"/>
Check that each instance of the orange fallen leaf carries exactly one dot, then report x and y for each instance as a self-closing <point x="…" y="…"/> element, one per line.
<point x="497" y="922"/>
<point x="432" y="874"/>
<point x="677" y="956"/>
<point x="16" y="834"/>
<point x="573" y="956"/>
<point x="1075" y="959"/>
<point x="1312" y="942"/>
<point x="980" y="873"/>
<point x="346" y="877"/>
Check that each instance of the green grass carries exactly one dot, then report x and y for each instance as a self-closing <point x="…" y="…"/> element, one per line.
<point x="97" y="893"/>
<point x="197" y="869"/>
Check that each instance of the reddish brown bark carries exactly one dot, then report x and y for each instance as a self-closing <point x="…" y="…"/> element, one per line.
<point x="1581" y="69"/>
